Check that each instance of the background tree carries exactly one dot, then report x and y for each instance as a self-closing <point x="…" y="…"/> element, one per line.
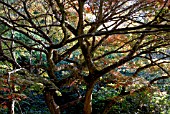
<point x="77" y="47"/>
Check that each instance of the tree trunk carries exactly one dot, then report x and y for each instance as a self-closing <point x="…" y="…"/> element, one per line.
<point x="52" y="106"/>
<point x="88" y="100"/>
<point x="11" y="107"/>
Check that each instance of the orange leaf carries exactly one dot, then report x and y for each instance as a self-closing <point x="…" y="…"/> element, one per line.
<point x="9" y="96"/>
<point x="5" y="106"/>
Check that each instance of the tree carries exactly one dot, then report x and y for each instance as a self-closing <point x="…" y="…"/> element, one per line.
<point x="77" y="43"/>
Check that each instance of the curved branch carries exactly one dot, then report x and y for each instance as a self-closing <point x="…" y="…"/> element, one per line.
<point x="159" y="78"/>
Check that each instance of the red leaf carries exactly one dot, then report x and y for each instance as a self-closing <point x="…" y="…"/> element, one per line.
<point x="5" y="81"/>
<point x="5" y="89"/>
<point x="12" y="78"/>
<point x="23" y="87"/>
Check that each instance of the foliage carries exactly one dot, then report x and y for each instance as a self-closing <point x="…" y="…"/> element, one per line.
<point x="143" y="102"/>
<point x="68" y="54"/>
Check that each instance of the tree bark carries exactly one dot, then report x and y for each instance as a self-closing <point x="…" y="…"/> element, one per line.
<point x="88" y="100"/>
<point x="52" y="106"/>
<point x="11" y="107"/>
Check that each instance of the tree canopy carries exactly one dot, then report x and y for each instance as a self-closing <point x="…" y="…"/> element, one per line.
<point x="82" y="47"/>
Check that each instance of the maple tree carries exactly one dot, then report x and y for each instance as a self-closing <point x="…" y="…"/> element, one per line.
<point x="82" y="45"/>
